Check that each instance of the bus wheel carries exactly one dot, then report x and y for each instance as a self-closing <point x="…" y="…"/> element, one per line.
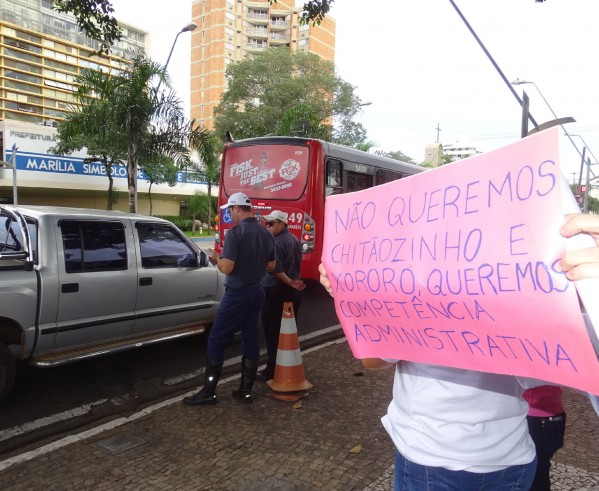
<point x="7" y="371"/>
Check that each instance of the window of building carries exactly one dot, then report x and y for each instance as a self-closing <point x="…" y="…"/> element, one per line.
<point x="22" y="76"/>
<point x="26" y="98"/>
<point x="54" y="113"/>
<point x="22" y="45"/>
<point x="22" y="56"/>
<point x="25" y="67"/>
<point x="22" y="107"/>
<point x="28" y="37"/>
<point x="60" y="66"/>
<point x="11" y="84"/>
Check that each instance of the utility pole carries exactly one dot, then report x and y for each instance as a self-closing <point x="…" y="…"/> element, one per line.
<point x="438" y="129"/>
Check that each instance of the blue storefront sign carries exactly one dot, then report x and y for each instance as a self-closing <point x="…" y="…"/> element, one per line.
<point x="39" y="162"/>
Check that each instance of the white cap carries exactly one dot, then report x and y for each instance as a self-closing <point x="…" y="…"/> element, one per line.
<point x="238" y="199"/>
<point x="276" y="215"/>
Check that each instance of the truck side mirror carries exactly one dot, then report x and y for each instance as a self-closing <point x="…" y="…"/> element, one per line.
<point x="203" y="260"/>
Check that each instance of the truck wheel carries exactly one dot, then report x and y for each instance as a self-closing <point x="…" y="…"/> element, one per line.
<point x="7" y="371"/>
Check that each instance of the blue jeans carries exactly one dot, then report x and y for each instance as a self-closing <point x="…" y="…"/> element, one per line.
<point x="239" y="311"/>
<point x="415" y="477"/>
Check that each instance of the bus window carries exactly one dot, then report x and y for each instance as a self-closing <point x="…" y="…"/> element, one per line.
<point x="333" y="183"/>
<point x="357" y="181"/>
<point x="383" y="176"/>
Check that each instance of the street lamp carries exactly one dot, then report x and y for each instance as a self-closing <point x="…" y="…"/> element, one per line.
<point x="522" y="82"/>
<point x="187" y="28"/>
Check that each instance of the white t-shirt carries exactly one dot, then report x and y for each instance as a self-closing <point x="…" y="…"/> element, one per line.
<point x="458" y="419"/>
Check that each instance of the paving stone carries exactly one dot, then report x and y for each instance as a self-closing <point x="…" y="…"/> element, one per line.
<point x="269" y="445"/>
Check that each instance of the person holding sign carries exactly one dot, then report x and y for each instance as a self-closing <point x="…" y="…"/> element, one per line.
<point x="456" y="429"/>
<point x="582" y="263"/>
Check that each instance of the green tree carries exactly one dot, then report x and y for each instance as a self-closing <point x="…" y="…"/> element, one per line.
<point x="280" y="92"/>
<point x="397" y="155"/>
<point x="90" y="124"/>
<point x="95" y="18"/>
<point x="149" y="125"/>
<point x="197" y="205"/>
<point x="303" y="120"/>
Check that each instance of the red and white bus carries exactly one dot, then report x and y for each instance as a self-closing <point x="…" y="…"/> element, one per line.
<point x="294" y="175"/>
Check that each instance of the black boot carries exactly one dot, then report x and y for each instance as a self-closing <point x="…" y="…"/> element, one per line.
<point x="208" y="393"/>
<point x="248" y="374"/>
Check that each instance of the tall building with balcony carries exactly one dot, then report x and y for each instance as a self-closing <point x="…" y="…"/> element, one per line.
<point x="232" y="30"/>
<point x="41" y="52"/>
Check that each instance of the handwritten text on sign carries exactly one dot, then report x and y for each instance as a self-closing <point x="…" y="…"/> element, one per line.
<point x="460" y="267"/>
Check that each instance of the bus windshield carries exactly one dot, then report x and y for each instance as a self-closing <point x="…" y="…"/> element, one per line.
<point x="266" y="171"/>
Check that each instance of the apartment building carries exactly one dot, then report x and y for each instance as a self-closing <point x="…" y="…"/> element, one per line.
<point x="232" y="30"/>
<point x="41" y="53"/>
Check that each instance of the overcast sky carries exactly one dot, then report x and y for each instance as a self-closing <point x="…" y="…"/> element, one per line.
<point x="418" y="64"/>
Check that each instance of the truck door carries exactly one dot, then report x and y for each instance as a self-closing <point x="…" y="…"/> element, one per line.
<point x="97" y="280"/>
<point x="173" y="289"/>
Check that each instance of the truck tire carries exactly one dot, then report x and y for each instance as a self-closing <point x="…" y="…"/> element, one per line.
<point x="7" y="371"/>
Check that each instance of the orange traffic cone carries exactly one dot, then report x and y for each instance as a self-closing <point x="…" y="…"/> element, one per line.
<point x="289" y="370"/>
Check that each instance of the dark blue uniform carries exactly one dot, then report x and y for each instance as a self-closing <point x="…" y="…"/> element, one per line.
<point x="251" y="246"/>
<point x="289" y="261"/>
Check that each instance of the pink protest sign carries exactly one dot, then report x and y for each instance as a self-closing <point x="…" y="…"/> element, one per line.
<point x="459" y="266"/>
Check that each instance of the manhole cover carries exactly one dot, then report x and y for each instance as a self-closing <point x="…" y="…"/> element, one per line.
<point x="119" y="443"/>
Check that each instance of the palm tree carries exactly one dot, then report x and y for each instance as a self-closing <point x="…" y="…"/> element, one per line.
<point x="150" y="125"/>
<point x="90" y="124"/>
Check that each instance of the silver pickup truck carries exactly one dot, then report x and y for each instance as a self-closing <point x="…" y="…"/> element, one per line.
<point x="77" y="283"/>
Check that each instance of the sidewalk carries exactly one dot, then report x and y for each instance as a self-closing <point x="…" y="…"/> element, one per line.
<point x="331" y="440"/>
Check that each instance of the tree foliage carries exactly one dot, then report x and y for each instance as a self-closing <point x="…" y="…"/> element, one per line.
<point x="396" y="154"/>
<point x="280" y="92"/>
<point x="150" y="125"/>
<point x="89" y="124"/>
<point x="122" y="118"/>
<point x="95" y="18"/>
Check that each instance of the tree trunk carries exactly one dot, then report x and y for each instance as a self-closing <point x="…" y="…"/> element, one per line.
<point x="150" y="196"/>
<point x="110" y="197"/>
<point x="132" y="180"/>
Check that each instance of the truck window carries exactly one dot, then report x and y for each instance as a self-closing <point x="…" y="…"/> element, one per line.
<point x="162" y="247"/>
<point x="11" y="239"/>
<point x="93" y="246"/>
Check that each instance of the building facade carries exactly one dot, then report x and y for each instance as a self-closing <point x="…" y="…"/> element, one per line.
<point x="232" y="30"/>
<point x="458" y="152"/>
<point x="41" y="53"/>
